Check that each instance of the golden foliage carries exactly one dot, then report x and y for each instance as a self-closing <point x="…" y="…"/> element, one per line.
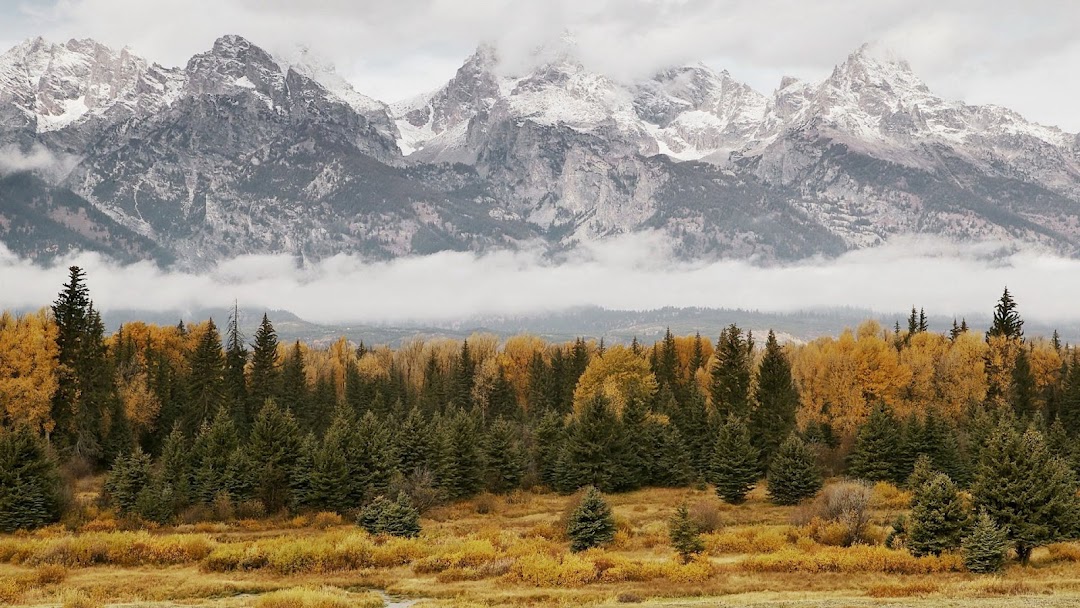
<point x="28" y="365"/>
<point x="619" y="375"/>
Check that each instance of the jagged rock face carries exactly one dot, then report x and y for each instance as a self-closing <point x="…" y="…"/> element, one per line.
<point x="244" y="152"/>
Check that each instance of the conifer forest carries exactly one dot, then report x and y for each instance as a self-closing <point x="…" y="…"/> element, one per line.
<point x="191" y="464"/>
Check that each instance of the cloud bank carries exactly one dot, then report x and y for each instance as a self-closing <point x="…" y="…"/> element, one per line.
<point x="628" y="273"/>
<point x="37" y="159"/>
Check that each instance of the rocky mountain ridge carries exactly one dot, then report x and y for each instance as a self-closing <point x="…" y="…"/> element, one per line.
<point x="243" y="152"/>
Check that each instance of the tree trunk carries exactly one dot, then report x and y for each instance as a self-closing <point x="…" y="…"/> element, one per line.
<point x="1024" y="553"/>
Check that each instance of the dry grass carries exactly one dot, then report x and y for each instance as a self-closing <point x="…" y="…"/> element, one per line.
<point x="513" y="555"/>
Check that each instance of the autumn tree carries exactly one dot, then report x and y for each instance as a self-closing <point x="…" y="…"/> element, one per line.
<point x="28" y="370"/>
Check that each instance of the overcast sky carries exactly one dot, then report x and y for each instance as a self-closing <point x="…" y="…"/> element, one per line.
<point x="1024" y="55"/>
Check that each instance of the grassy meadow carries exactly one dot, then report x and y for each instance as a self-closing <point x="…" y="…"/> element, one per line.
<point x="511" y="551"/>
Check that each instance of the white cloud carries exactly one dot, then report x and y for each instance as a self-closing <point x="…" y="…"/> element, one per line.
<point x="630" y="273"/>
<point x="38" y="159"/>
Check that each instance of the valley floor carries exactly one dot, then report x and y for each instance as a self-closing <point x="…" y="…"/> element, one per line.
<point x="508" y="551"/>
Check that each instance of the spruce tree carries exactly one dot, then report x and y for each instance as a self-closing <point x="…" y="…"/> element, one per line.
<point x="212" y="451"/>
<point x="793" y="474"/>
<point x="594" y="449"/>
<point x="1007" y="321"/>
<point x="735" y="467"/>
<point x="331" y="485"/>
<point x="985" y="548"/>
<point x="549" y="437"/>
<point x="415" y="444"/>
<point x="774" y="417"/>
<point x="274" y="447"/>
<point x="206" y="386"/>
<point x="939" y="518"/>
<point x="29" y="481"/>
<point x="235" y="380"/>
<point x="1022" y="385"/>
<point x="685" y="534"/>
<point x="265" y="367"/>
<point x="591" y="524"/>
<point x="1026" y="490"/>
<point x="877" y="453"/>
<point x="128" y="477"/>
<point x="504" y="461"/>
<point x="371" y="456"/>
<point x="730" y="384"/>
<point x="461" y="467"/>
<point x="295" y="395"/>
<point x="667" y="460"/>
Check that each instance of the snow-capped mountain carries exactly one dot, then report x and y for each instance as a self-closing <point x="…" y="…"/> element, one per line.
<point x="241" y="151"/>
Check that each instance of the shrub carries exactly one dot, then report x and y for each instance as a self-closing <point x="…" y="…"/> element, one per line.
<point x="706" y="514"/>
<point x="396" y="518"/>
<point x="326" y="519"/>
<point x="77" y="598"/>
<point x="985" y="547"/>
<point x="420" y="487"/>
<point x="486" y="503"/>
<point x="685" y="535"/>
<point x="627" y="597"/>
<point x="859" y="559"/>
<point x="591" y="524"/>
<point x="50" y="574"/>
<point x="303" y="597"/>
<point x="842" y="512"/>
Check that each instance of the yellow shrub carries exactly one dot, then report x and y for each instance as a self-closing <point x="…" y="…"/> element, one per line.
<point x="887" y="496"/>
<point x="1067" y="552"/>
<point x="11" y="591"/>
<point x="325" y="520"/>
<point x="50" y="574"/>
<point x="304" y="597"/>
<point x="856" y="559"/>
<point x="76" y="598"/>
<point x="904" y="590"/>
<point x="544" y="570"/>
<point x="756" y="539"/>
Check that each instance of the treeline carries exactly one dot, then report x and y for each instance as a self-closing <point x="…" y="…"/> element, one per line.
<point x="188" y="420"/>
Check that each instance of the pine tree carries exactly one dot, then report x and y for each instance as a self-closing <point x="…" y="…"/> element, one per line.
<point x="877" y="453"/>
<point x="685" y="534"/>
<point x="730" y="385"/>
<point x="504" y="461"/>
<point x="1025" y="489"/>
<point x="415" y="444"/>
<point x="371" y="456"/>
<point x="793" y="474"/>
<point x="206" y="387"/>
<point x="986" y="546"/>
<point x="331" y="485"/>
<point x="274" y="447"/>
<point x="939" y="517"/>
<point x="1007" y="321"/>
<point x="735" y="467"/>
<point x="265" y="367"/>
<point x="591" y="524"/>
<point x="174" y="467"/>
<point x="401" y="519"/>
<point x="301" y="491"/>
<point x="29" y="481"/>
<point x="461" y="470"/>
<point x="774" y="417"/>
<point x="549" y="439"/>
<point x="465" y="373"/>
<point x="668" y="461"/>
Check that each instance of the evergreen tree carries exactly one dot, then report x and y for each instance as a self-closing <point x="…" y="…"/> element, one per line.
<point x="940" y="443"/>
<point x="235" y="380"/>
<point x="294" y="389"/>
<point x="986" y="546"/>
<point x="1022" y="385"/>
<point x="877" y="453"/>
<point x="1007" y="321"/>
<point x="735" y="467"/>
<point x="730" y="385"/>
<point x="793" y="474"/>
<point x="774" y="417"/>
<point x="29" y="481"/>
<point x="594" y="449"/>
<point x="1069" y="403"/>
<point x="85" y="394"/>
<point x="265" y="367"/>
<point x="1025" y="489"/>
<point x="371" y="456"/>
<point x="461" y="470"/>
<point x="301" y="490"/>
<point x="127" y="478"/>
<point x="685" y="534"/>
<point x="206" y="387"/>
<point x="274" y="447"/>
<point x="464" y="378"/>
<point x="668" y="462"/>
<point x="504" y="462"/>
<point x="213" y="449"/>
<point x="414" y="444"/>
<point x="331" y="485"/>
<point x="939" y="517"/>
<point x="394" y="518"/>
<point x="549" y="439"/>
<point x="174" y="467"/>
<point x="691" y="419"/>
<point x="591" y="524"/>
